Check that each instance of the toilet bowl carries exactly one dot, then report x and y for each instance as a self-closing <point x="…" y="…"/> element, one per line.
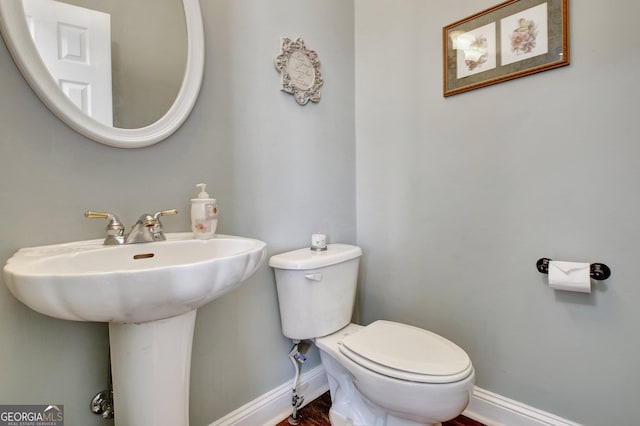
<point x="382" y="374"/>
<point x="424" y="379"/>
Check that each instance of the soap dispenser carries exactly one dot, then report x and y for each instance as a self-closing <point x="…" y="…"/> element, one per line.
<point x="204" y="214"/>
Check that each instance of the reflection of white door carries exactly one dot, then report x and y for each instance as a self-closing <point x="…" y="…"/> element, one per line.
<point x="75" y="45"/>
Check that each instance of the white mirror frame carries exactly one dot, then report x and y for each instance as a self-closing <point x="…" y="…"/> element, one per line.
<point x="18" y="39"/>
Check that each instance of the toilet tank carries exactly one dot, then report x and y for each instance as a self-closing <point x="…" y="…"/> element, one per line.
<point x="316" y="289"/>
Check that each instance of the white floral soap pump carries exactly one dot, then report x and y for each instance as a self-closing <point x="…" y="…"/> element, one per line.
<point x="204" y="214"/>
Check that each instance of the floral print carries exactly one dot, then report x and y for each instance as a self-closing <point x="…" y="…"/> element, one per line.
<point x="477" y="53"/>
<point x="523" y="38"/>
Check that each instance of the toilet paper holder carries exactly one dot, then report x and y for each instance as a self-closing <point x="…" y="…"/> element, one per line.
<point x="599" y="271"/>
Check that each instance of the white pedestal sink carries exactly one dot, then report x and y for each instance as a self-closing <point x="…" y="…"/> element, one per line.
<point x="148" y="293"/>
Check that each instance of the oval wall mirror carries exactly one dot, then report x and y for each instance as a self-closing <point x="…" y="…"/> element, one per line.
<point x="129" y="119"/>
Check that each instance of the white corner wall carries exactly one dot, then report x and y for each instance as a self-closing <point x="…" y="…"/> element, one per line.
<point x="457" y="198"/>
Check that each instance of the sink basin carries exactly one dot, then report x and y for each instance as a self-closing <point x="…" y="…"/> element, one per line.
<point x="149" y="294"/>
<point x="87" y="281"/>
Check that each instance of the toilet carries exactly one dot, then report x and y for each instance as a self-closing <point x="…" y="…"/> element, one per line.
<point x="382" y="374"/>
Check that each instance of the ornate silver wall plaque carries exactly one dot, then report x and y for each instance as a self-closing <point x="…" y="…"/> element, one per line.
<point x="300" y="71"/>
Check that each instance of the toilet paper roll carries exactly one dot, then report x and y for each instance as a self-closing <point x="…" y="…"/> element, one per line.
<point x="570" y="276"/>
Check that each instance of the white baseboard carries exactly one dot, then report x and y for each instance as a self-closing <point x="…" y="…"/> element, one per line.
<point x="275" y="406"/>
<point x="495" y="410"/>
<point x="486" y="407"/>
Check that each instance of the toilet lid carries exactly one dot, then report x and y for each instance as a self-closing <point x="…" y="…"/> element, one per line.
<point x="407" y="353"/>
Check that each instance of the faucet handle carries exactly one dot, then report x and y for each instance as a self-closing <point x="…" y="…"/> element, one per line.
<point x="151" y="220"/>
<point x="155" y="219"/>
<point x="96" y="215"/>
<point x="149" y="228"/>
<point x="171" y="212"/>
<point x="115" y="228"/>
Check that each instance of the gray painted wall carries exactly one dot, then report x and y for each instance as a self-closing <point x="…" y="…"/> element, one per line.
<point x="458" y="198"/>
<point x="279" y="171"/>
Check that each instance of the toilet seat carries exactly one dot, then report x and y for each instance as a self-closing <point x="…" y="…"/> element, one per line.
<point x="407" y="353"/>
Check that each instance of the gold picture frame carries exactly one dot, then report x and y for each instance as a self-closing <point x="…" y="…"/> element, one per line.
<point x="507" y="41"/>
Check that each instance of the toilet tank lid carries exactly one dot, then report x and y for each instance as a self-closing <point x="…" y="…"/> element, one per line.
<point x="308" y="259"/>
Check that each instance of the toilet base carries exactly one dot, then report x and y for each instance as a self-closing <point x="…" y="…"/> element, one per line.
<point x="337" y="419"/>
<point x="363" y="398"/>
<point x="350" y="408"/>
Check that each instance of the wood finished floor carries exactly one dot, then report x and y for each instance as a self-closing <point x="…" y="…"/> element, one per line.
<point x="317" y="414"/>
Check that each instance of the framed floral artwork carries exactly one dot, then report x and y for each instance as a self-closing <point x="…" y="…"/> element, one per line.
<point x="507" y="41"/>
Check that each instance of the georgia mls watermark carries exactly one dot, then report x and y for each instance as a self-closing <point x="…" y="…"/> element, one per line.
<point x="32" y="415"/>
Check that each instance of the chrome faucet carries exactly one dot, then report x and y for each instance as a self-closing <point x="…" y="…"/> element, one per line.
<point x="148" y="228"/>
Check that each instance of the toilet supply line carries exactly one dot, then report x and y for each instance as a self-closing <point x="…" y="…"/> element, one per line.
<point x="297" y="358"/>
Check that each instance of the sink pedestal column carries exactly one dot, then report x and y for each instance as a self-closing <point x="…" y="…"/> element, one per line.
<point x="151" y="364"/>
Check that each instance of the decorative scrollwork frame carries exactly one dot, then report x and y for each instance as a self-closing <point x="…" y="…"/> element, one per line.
<point x="299" y="70"/>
